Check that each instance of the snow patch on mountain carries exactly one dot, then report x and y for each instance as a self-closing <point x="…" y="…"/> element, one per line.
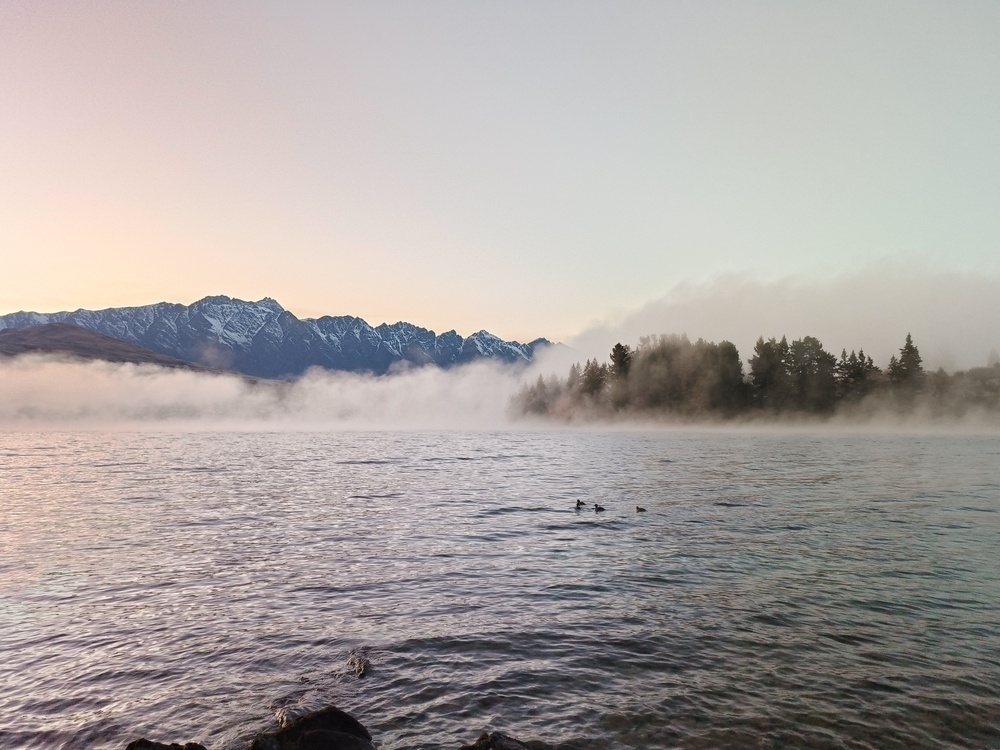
<point x="265" y="340"/>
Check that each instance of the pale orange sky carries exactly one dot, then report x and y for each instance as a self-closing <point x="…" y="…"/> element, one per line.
<point x="525" y="168"/>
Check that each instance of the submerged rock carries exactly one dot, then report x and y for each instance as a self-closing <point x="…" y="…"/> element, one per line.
<point x="495" y="741"/>
<point x="358" y="662"/>
<point x="326" y="729"/>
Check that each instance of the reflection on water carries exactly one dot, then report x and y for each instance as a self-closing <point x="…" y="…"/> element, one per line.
<point x="797" y="590"/>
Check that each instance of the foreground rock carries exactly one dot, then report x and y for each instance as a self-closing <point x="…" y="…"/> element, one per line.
<point x="495" y="741"/>
<point x="326" y="729"/>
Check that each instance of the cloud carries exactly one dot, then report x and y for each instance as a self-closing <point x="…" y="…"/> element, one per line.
<point x="49" y="391"/>
<point x="954" y="317"/>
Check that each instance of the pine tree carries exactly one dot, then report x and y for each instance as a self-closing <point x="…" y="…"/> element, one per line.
<point x="908" y="369"/>
<point x="811" y="370"/>
<point x="573" y="379"/>
<point x="856" y="374"/>
<point x="769" y="373"/>
<point x="594" y="377"/>
<point x="621" y="360"/>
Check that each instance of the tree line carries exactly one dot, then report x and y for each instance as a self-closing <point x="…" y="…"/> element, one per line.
<point x="672" y="376"/>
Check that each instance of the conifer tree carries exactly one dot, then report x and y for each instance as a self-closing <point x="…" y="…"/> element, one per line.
<point x="811" y="371"/>
<point x="593" y="378"/>
<point x="769" y="372"/>
<point x="856" y="374"/>
<point x="573" y="379"/>
<point x="908" y="369"/>
<point x="621" y="360"/>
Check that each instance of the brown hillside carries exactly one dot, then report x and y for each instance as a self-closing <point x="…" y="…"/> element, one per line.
<point x="61" y="338"/>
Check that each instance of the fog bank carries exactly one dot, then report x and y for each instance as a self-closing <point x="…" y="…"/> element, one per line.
<point x="954" y="317"/>
<point x="47" y="391"/>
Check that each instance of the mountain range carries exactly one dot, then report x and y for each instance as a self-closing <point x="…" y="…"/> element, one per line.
<point x="81" y="343"/>
<point x="262" y="339"/>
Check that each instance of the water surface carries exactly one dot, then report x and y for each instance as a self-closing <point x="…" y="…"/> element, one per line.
<point x="819" y="591"/>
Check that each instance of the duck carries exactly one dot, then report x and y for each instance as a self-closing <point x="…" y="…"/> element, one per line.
<point x="639" y="509"/>
<point x="579" y="504"/>
<point x="598" y="508"/>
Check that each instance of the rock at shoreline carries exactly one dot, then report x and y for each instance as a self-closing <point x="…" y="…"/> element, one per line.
<point x="144" y="744"/>
<point x="495" y="741"/>
<point x="326" y="729"/>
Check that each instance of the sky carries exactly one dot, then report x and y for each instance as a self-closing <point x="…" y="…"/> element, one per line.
<point x="582" y="171"/>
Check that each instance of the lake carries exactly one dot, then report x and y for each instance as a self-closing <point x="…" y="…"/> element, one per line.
<point x="782" y="589"/>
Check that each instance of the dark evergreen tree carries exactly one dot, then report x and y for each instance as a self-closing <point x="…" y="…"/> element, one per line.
<point x="671" y="375"/>
<point x="660" y="372"/>
<point x="907" y="371"/>
<point x="856" y="375"/>
<point x="769" y="373"/>
<point x="729" y="391"/>
<point x="593" y="378"/>
<point x="621" y="360"/>
<point x="812" y="376"/>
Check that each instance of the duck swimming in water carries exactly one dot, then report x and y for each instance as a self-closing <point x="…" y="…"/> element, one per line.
<point x="639" y="509"/>
<point x="598" y="508"/>
<point x="579" y="504"/>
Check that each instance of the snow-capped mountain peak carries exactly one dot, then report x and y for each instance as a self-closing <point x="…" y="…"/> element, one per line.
<point x="263" y="339"/>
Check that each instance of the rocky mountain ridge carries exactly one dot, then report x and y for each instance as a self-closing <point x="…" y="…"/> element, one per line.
<point x="262" y="339"/>
<point x="81" y="343"/>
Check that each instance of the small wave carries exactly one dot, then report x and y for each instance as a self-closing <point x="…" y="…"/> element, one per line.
<point x="506" y="510"/>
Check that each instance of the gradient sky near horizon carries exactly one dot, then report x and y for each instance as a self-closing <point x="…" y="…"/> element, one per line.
<point x="529" y="168"/>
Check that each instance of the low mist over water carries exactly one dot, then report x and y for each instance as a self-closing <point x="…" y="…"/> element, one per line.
<point x="53" y="392"/>
<point x="822" y="591"/>
<point x="42" y="391"/>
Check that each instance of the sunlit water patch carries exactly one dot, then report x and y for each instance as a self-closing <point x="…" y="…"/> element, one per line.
<point x="821" y="591"/>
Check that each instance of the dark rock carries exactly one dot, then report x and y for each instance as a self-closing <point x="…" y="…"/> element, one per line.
<point x="144" y="744"/>
<point x="326" y="729"/>
<point x="329" y="729"/>
<point x="495" y="741"/>
<point x="359" y="663"/>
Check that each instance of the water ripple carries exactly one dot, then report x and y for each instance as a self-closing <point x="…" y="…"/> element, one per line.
<point x="781" y="591"/>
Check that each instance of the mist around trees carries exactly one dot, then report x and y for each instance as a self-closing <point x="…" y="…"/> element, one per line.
<point x="671" y="377"/>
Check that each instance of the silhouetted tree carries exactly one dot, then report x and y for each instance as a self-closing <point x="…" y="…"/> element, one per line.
<point x="593" y="378"/>
<point x="672" y="375"/>
<point x="573" y="379"/>
<point x="728" y="389"/>
<point x="908" y="370"/>
<point x="811" y="371"/>
<point x="856" y="375"/>
<point x="769" y="373"/>
<point x="621" y="360"/>
<point x="660" y="372"/>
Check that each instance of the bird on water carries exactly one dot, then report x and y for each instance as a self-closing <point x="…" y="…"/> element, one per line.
<point x="579" y="504"/>
<point x="639" y="509"/>
<point x="598" y="508"/>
